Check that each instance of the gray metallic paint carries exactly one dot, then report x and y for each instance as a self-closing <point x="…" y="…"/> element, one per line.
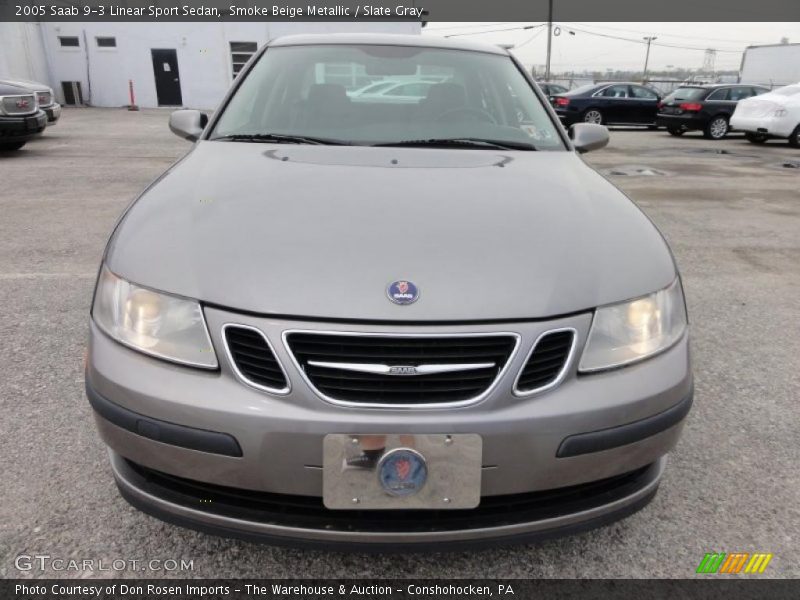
<point x="320" y="234"/>
<point x="283" y="237"/>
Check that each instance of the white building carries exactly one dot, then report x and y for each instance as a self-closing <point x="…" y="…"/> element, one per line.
<point x="170" y="64"/>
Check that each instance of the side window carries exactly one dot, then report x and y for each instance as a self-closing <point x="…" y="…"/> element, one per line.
<point x="723" y="94"/>
<point x="740" y="93"/>
<point x="616" y="91"/>
<point x="643" y="93"/>
<point x="758" y="91"/>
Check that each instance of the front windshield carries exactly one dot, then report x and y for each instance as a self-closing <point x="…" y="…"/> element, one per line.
<point x="323" y="92"/>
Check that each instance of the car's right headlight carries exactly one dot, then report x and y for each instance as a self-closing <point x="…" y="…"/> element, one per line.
<point x="632" y="331"/>
<point x="159" y="324"/>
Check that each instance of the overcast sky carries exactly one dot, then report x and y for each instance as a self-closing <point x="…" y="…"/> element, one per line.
<point x="589" y="48"/>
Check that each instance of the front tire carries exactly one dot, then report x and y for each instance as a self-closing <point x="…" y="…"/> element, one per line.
<point x="755" y="138"/>
<point x="676" y="132"/>
<point x="716" y="128"/>
<point x="11" y="146"/>
<point x="794" y="139"/>
<point x="594" y="116"/>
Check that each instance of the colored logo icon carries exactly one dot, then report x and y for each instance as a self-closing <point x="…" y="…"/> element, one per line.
<point x="402" y="472"/>
<point x="402" y="292"/>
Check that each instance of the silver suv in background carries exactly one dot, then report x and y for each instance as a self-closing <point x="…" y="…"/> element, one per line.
<point x="427" y="324"/>
<point x="44" y="97"/>
<point x="21" y="119"/>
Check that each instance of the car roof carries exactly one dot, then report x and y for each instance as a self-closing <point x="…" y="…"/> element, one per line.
<point x="385" y="39"/>
<point x="714" y="86"/>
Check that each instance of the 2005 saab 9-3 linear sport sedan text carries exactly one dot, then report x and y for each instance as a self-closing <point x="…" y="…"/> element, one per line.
<point x="338" y="322"/>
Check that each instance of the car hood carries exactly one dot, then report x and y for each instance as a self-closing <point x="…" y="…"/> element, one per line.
<point x="320" y="231"/>
<point x="28" y="85"/>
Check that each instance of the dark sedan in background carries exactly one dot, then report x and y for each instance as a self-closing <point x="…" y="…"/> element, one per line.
<point x="706" y="108"/>
<point x="608" y="104"/>
<point x="20" y="117"/>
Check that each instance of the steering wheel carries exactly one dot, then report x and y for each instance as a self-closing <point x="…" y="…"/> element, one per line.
<point x="476" y="112"/>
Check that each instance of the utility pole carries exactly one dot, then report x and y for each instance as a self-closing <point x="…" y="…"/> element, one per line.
<point x="648" y="39"/>
<point x="549" y="38"/>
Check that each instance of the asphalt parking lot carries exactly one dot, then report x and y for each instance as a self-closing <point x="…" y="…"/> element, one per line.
<point x="731" y="211"/>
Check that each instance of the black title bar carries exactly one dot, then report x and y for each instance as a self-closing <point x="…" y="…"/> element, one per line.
<point x="703" y="587"/>
<point x="418" y="10"/>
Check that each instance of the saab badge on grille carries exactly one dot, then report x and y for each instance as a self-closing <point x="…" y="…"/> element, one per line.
<point x="402" y="292"/>
<point x="402" y="472"/>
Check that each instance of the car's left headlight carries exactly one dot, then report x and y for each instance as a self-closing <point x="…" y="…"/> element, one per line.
<point x="631" y="331"/>
<point x="162" y="325"/>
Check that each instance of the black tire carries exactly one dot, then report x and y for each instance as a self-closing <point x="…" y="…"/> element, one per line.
<point x="676" y="132"/>
<point x="593" y="115"/>
<point x="716" y="128"/>
<point x="794" y="139"/>
<point x="755" y="138"/>
<point x="11" y="146"/>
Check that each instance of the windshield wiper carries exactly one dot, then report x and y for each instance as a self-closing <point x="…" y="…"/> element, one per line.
<point x="279" y="138"/>
<point x="463" y="143"/>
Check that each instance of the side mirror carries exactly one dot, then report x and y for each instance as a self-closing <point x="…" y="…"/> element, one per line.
<point x="588" y="136"/>
<point x="188" y="124"/>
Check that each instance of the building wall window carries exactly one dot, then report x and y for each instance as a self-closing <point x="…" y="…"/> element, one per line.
<point x="106" y="42"/>
<point x="69" y="41"/>
<point x="240" y="54"/>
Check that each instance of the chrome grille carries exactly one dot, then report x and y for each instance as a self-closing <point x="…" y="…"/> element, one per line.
<point x="45" y="98"/>
<point x="19" y="105"/>
<point x="401" y="370"/>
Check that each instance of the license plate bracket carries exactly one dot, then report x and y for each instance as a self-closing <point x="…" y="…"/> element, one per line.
<point x="401" y="471"/>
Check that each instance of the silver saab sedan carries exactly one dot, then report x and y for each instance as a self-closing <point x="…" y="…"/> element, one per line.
<point x="396" y="324"/>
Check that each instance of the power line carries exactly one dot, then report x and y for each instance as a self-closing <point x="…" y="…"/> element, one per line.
<point x="673" y="35"/>
<point x="635" y="41"/>
<point x="473" y="26"/>
<point x="530" y="39"/>
<point x="495" y="30"/>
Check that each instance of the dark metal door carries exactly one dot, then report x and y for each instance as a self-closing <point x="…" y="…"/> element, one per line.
<point x="168" y="80"/>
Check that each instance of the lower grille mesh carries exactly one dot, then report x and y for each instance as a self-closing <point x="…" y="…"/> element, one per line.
<point x="309" y="511"/>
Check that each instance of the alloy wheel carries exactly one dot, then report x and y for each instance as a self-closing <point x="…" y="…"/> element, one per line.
<point x="718" y="128"/>
<point x="593" y="116"/>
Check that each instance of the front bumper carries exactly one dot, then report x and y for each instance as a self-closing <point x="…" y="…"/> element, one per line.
<point x="18" y="129"/>
<point x="586" y="430"/>
<point x="53" y="113"/>
<point x="303" y="520"/>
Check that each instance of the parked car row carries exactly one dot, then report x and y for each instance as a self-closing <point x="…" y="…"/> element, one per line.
<point x="712" y="109"/>
<point x="26" y="108"/>
<point x="706" y="108"/>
